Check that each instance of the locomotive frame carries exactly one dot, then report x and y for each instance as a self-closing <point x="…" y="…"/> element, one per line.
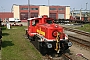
<point x="48" y="36"/>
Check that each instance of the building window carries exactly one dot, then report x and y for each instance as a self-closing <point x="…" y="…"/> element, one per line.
<point x="53" y="15"/>
<point x="61" y="9"/>
<point x="24" y="8"/>
<point x="23" y="16"/>
<point x="30" y="9"/>
<point x="34" y="8"/>
<point x="34" y="15"/>
<point x="52" y="8"/>
<point x="34" y="22"/>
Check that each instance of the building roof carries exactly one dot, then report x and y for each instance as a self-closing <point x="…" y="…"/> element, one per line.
<point x="5" y="12"/>
<point x="38" y="5"/>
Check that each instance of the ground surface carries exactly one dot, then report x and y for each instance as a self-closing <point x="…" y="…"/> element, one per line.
<point x="16" y="47"/>
<point x="77" y="49"/>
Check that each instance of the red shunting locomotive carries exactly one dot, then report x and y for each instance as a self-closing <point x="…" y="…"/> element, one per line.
<point x="47" y="35"/>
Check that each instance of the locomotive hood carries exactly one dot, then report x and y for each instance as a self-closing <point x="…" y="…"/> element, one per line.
<point x="51" y="26"/>
<point x="49" y="31"/>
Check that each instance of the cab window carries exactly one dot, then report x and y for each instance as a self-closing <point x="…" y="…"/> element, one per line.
<point x="34" y="22"/>
<point x="49" y="21"/>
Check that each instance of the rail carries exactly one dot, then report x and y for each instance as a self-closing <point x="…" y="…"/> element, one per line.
<point x="47" y="57"/>
<point x="78" y="31"/>
<point x="80" y="41"/>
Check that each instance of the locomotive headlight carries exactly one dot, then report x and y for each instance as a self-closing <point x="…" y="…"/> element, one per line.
<point x="69" y="44"/>
<point x="56" y="26"/>
<point x="54" y="33"/>
<point x="49" y="45"/>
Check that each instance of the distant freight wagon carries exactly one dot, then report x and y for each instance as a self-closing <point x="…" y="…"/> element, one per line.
<point x="14" y="20"/>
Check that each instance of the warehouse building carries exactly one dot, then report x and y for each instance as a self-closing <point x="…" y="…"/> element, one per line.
<point x="56" y="12"/>
<point x="4" y="16"/>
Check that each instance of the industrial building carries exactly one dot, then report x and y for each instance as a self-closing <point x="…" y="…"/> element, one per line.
<point x="4" y="16"/>
<point x="83" y="15"/>
<point x="21" y="12"/>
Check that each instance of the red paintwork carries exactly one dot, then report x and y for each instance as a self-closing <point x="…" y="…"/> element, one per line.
<point x="32" y="29"/>
<point x="7" y="15"/>
<point x="45" y="27"/>
<point x="48" y="29"/>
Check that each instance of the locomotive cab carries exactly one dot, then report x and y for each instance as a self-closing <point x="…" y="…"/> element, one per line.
<point x="32" y="25"/>
<point x="32" y="22"/>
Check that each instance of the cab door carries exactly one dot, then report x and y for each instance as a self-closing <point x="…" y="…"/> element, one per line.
<point x="32" y="26"/>
<point x="34" y="23"/>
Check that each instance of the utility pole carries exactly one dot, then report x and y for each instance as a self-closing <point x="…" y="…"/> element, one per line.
<point x="86" y="6"/>
<point x="49" y="7"/>
<point x="73" y="12"/>
<point x="29" y="12"/>
<point x="28" y="9"/>
<point x="86" y="15"/>
<point x="80" y="13"/>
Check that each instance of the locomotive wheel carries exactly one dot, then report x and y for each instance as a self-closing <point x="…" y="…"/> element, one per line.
<point x="64" y="46"/>
<point x="27" y="36"/>
<point x="42" y="49"/>
<point x="30" y="38"/>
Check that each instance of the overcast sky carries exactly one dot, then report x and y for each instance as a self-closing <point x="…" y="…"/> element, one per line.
<point x="6" y="5"/>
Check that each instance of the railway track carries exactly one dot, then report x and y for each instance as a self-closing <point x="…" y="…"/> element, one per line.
<point x="77" y="31"/>
<point x="63" y="57"/>
<point x="80" y="41"/>
<point x="67" y="57"/>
